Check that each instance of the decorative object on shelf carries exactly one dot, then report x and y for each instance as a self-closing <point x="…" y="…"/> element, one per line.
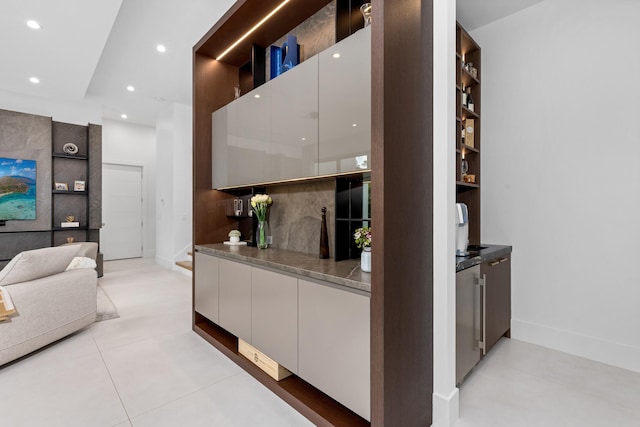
<point x="366" y="13"/>
<point x="71" y="239"/>
<point x="236" y="92"/>
<point x="469" y="178"/>
<point x="464" y="167"/>
<point x="469" y="127"/>
<point x="260" y="204"/>
<point x="286" y="57"/>
<point x="70" y="218"/>
<point x="17" y="189"/>
<point x="362" y="237"/>
<point x="70" y="148"/>
<point x="234" y="236"/>
<point x="62" y="186"/>
<point x="324" y="236"/>
<point x="78" y="186"/>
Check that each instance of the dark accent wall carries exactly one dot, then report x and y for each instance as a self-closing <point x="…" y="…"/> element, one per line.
<point x="27" y="136"/>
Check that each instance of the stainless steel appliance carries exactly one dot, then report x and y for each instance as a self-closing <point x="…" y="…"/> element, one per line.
<point x="462" y="229"/>
<point x="469" y="323"/>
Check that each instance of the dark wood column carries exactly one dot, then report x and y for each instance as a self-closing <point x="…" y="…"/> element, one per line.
<point x="402" y="213"/>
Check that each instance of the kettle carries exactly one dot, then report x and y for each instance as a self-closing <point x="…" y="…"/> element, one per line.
<point x="462" y="229"/>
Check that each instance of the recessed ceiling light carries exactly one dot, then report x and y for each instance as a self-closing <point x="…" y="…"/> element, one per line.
<point x="161" y="48"/>
<point x="354" y="125"/>
<point x="257" y="95"/>
<point x="336" y="55"/>
<point x="124" y="116"/>
<point x="34" y="80"/>
<point x="304" y="139"/>
<point x="33" y="24"/>
<point x="131" y="88"/>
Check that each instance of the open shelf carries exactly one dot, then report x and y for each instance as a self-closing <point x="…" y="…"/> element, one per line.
<point x="321" y="409"/>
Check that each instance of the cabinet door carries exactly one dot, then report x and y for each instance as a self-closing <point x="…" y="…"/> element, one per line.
<point x="274" y="316"/>
<point x="293" y="148"/>
<point x="345" y="105"/>
<point x="497" y="274"/>
<point x="219" y="152"/>
<point x="240" y="139"/>
<point x="333" y="344"/>
<point x="235" y="298"/>
<point x="206" y="286"/>
<point x="468" y="321"/>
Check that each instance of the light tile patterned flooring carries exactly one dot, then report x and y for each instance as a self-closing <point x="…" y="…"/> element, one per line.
<point x="148" y="368"/>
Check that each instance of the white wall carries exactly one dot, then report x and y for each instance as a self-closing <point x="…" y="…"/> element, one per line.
<point x="131" y="144"/>
<point x="79" y="113"/>
<point x="445" y="393"/>
<point x="560" y="183"/>
<point x="174" y="139"/>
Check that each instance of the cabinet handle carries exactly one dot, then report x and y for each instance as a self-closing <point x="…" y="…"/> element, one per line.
<point x="504" y="259"/>
<point x="494" y="263"/>
<point x="484" y="315"/>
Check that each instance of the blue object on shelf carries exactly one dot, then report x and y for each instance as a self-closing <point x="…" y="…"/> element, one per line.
<point x="290" y="50"/>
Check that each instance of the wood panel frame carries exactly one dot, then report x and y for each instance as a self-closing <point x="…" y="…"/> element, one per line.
<point x="402" y="159"/>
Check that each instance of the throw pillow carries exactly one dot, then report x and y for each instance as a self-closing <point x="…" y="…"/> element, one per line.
<point x="31" y="265"/>
<point x="81" y="262"/>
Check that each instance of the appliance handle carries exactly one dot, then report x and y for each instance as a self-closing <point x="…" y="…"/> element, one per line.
<point x="483" y="343"/>
<point x="477" y="296"/>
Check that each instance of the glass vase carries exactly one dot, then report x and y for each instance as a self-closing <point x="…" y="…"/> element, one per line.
<point x="262" y="235"/>
<point x="365" y="260"/>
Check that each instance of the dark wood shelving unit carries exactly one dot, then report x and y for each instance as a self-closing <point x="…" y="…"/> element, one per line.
<point x="402" y="292"/>
<point x="467" y="50"/>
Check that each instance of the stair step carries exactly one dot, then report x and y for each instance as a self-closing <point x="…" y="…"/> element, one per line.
<point x="185" y="264"/>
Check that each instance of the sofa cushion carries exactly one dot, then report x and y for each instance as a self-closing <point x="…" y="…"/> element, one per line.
<point x="30" y="265"/>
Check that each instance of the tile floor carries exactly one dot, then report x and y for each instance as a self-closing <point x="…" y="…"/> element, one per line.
<point x="148" y="368"/>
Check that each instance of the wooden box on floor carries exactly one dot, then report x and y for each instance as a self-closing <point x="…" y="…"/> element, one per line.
<point x="270" y="366"/>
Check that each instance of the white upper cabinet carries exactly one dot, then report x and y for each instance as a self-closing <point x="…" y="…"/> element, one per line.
<point x="345" y="105"/>
<point x="315" y="119"/>
<point x="293" y="149"/>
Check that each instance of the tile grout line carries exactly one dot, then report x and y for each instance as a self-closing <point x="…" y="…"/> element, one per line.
<point x="111" y="378"/>
<point x="185" y="396"/>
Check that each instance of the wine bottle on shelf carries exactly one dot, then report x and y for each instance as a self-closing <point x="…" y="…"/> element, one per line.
<point x="463" y="134"/>
<point x="470" y="104"/>
<point x="464" y="95"/>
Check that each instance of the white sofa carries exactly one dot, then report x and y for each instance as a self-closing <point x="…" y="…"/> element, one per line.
<point x="50" y="302"/>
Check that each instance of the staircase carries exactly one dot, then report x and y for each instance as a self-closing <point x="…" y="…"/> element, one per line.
<point x="188" y="264"/>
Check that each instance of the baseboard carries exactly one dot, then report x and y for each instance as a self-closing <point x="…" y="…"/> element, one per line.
<point x="446" y="409"/>
<point x="612" y="353"/>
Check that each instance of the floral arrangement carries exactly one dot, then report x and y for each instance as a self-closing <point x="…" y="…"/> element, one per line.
<point x="362" y="236"/>
<point x="260" y="204"/>
<point x="234" y="233"/>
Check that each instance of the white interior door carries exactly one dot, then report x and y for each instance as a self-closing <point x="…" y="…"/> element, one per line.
<point x="121" y="233"/>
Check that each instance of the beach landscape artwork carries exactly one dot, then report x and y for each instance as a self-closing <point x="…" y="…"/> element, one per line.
<point x="17" y="189"/>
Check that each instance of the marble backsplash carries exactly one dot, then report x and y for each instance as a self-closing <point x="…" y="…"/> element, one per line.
<point x="295" y="216"/>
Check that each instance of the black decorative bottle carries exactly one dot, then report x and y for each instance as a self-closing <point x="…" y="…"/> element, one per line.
<point x="324" y="236"/>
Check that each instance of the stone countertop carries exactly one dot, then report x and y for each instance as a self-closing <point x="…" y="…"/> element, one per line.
<point x="479" y="255"/>
<point x="345" y="273"/>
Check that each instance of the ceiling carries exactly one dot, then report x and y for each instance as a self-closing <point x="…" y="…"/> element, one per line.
<point x="91" y="50"/>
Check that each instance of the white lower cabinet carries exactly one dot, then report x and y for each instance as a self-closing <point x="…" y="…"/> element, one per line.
<point x="274" y="316"/>
<point x="206" y="286"/>
<point x="235" y="298"/>
<point x="333" y="344"/>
